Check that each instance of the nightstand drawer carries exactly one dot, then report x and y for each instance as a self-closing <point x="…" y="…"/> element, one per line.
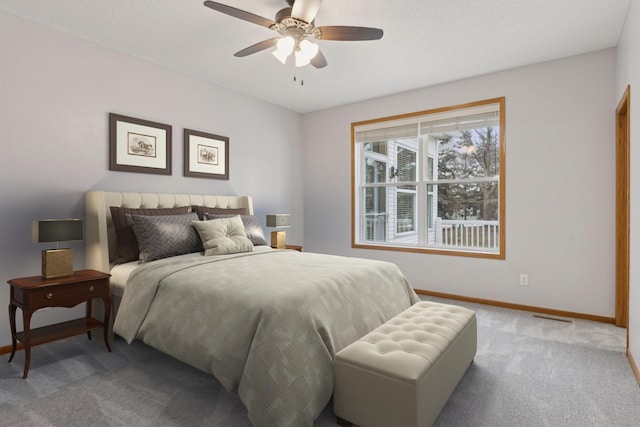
<point x="66" y="295"/>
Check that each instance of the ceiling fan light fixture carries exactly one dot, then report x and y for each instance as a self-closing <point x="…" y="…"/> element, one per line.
<point x="284" y="48"/>
<point x="295" y="24"/>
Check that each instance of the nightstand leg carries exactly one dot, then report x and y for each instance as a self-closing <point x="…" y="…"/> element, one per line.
<point x="107" y="315"/>
<point x="89" y="315"/>
<point x="26" y="321"/>
<point x="12" y="321"/>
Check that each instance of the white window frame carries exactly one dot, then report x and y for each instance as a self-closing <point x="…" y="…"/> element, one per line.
<point x="388" y="129"/>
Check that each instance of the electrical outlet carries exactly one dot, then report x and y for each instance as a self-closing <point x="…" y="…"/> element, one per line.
<point x="524" y="280"/>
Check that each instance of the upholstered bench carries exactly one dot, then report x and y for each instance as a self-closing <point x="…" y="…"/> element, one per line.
<point x="403" y="372"/>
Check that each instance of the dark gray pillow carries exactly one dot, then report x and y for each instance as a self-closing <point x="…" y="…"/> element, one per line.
<point x="125" y="237"/>
<point x="201" y="210"/>
<point x="165" y="236"/>
<point x="251" y="226"/>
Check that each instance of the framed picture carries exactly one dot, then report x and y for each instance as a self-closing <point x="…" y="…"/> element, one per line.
<point x="206" y="155"/>
<point x="137" y="145"/>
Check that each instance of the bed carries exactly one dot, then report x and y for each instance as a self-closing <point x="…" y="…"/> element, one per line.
<point x="265" y="322"/>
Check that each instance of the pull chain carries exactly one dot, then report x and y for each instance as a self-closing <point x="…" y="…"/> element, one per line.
<point x="295" y="78"/>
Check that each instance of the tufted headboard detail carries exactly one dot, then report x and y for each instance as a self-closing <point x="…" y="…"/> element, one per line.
<point x="100" y="235"/>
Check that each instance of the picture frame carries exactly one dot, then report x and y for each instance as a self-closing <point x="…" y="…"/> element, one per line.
<point x="206" y="155"/>
<point x="137" y="145"/>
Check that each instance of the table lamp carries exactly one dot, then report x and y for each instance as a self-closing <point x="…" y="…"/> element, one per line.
<point x="57" y="262"/>
<point x="278" y="238"/>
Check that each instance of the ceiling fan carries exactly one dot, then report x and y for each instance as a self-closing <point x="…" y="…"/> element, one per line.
<point x="296" y="27"/>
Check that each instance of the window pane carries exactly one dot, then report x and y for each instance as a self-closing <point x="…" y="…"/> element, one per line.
<point x="375" y="200"/>
<point x="467" y="217"/>
<point x="468" y="154"/>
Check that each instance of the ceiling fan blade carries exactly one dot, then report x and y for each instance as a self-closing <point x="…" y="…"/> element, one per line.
<point x="319" y="61"/>
<point x="349" y="33"/>
<point x="238" y="13"/>
<point x="305" y="10"/>
<point x="265" y="44"/>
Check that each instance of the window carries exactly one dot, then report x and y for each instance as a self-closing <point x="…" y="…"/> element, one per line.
<point x="431" y="181"/>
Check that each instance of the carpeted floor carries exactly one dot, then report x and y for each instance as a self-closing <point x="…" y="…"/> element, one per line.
<point x="528" y="371"/>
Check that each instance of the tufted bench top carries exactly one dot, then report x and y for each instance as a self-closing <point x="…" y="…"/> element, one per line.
<point x="408" y="345"/>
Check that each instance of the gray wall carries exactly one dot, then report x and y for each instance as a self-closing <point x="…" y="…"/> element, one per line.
<point x="628" y="73"/>
<point x="55" y="95"/>
<point x="560" y="181"/>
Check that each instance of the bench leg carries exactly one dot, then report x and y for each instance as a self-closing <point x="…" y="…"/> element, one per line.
<point x="342" y="422"/>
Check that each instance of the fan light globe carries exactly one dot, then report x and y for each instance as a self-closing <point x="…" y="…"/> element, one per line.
<point x="284" y="47"/>
<point x="310" y="50"/>
<point x="301" y="59"/>
<point x="305" y="53"/>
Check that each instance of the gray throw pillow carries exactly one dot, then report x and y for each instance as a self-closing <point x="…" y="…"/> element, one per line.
<point x="165" y="236"/>
<point x="223" y="236"/>
<point x="251" y="226"/>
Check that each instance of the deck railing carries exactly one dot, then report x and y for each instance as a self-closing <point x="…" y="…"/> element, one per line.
<point x="467" y="234"/>
<point x="475" y="235"/>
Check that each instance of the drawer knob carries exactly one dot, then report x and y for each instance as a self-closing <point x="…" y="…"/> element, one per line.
<point x="90" y="288"/>
<point x="49" y="295"/>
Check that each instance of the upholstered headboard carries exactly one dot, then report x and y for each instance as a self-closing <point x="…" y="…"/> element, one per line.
<point x="100" y="235"/>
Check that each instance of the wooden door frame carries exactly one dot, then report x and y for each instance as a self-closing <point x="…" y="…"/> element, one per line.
<point x="622" y="210"/>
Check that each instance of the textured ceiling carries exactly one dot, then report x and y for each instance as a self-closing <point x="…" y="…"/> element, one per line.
<point x="425" y="42"/>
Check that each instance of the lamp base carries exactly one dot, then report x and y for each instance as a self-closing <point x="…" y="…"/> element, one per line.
<point x="278" y="239"/>
<point x="57" y="263"/>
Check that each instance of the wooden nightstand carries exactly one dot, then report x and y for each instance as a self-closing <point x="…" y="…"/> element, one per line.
<point x="292" y="247"/>
<point x="36" y="292"/>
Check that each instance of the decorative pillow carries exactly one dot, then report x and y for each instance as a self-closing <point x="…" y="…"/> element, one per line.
<point x="223" y="236"/>
<point x="201" y="210"/>
<point x="126" y="238"/>
<point x="165" y="236"/>
<point x="251" y="226"/>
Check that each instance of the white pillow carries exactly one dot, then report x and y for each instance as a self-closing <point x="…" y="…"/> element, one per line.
<point x="223" y="236"/>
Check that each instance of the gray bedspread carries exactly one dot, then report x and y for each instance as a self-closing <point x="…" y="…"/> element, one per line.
<point x="265" y="324"/>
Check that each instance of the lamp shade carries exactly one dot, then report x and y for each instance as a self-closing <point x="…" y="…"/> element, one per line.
<point x="278" y="220"/>
<point x="57" y="230"/>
